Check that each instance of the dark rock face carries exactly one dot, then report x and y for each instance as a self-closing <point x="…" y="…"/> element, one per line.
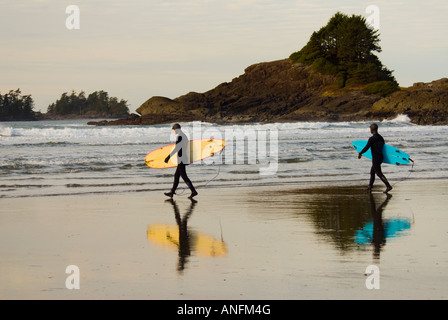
<point x="270" y="91"/>
<point x="132" y="119"/>
<point x="424" y="103"/>
<point x="281" y="91"/>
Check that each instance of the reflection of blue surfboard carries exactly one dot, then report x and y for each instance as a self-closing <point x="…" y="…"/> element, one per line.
<point x="393" y="228"/>
<point x="390" y="154"/>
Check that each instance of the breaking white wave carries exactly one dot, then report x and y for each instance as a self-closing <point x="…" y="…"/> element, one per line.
<point x="58" y="154"/>
<point x="82" y="134"/>
<point x="8" y="132"/>
<point x="401" y="118"/>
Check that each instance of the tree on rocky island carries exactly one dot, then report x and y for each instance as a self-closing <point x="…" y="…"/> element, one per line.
<point x="345" y="48"/>
<point x="15" y="106"/>
<point x="97" y="102"/>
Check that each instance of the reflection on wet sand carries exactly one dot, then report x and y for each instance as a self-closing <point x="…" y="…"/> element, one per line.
<point x="347" y="217"/>
<point x="185" y="241"/>
<point x="379" y="229"/>
<point x="377" y="236"/>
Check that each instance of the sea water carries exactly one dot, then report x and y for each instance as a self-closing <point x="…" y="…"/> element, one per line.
<point x="51" y="158"/>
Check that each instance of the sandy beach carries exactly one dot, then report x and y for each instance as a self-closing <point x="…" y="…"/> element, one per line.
<point x="282" y="242"/>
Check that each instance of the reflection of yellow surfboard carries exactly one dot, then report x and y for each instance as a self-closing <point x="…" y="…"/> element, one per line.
<point x="202" y="244"/>
<point x="199" y="149"/>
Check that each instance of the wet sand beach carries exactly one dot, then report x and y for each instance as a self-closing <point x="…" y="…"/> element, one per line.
<point x="278" y="242"/>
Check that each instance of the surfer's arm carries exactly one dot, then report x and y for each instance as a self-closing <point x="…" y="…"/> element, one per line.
<point x="368" y="145"/>
<point x="177" y="147"/>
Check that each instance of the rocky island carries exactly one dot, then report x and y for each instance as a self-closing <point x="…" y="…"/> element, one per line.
<point x="335" y="77"/>
<point x="423" y="103"/>
<point x="286" y="91"/>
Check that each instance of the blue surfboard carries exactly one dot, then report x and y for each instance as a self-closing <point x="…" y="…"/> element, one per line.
<point x="391" y="154"/>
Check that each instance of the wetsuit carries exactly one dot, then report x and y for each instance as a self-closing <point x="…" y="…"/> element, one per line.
<point x="182" y="149"/>
<point x="376" y="144"/>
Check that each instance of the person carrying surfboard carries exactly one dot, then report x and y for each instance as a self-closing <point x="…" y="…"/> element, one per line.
<point x="376" y="143"/>
<point x="183" y="154"/>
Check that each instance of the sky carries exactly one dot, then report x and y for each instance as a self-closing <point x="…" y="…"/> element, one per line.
<point x="138" y="49"/>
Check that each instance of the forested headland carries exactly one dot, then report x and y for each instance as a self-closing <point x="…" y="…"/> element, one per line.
<point x="15" y="106"/>
<point x="97" y="103"/>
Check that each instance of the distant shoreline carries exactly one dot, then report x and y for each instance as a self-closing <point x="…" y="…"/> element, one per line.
<point x="46" y="117"/>
<point x="129" y="121"/>
<point x="245" y="100"/>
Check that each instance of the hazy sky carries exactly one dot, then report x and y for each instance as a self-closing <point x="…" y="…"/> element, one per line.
<point x="138" y="49"/>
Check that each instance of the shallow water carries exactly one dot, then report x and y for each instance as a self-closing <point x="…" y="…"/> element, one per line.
<point x="70" y="157"/>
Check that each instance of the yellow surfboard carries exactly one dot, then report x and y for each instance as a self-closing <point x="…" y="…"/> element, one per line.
<point x="199" y="149"/>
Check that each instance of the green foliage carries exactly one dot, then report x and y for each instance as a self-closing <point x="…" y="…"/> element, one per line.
<point x="323" y="65"/>
<point x="15" y="106"/>
<point x="97" y="102"/>
<point x="382" y="88"/>
<point x="344" y="48"/>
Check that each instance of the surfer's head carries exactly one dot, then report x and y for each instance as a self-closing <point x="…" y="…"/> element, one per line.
<point x="176" y="128"/>
<point x="374" y="128"/>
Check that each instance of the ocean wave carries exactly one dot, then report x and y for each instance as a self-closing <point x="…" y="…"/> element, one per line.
<point x="92" y="135"/>
<point x="295" y="160"/>
<point x="162" y="135"/>
<point x="126" y="184"/>
<point x="9" y="132"/>
<point x="85" y="159"/>
<point x="401" y="118"/>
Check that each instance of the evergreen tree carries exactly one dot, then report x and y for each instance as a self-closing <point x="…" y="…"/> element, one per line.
<point x="345" y="47"/>
<point x="15" y="106"/>
<point x="97" y="102"/>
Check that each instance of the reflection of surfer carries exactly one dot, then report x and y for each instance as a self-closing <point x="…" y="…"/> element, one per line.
<point x="376" y="143"/>
<point x="182" y="149"/>
<point x="378" y="236"/>
<point x="184" y="236"/>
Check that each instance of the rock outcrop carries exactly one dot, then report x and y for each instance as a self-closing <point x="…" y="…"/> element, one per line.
<point x="280" y="91"/>
<point x="423" y="103"/>
<point x="269" y="91"/>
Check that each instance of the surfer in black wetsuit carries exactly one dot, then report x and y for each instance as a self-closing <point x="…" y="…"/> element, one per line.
<point x="182" y="149"/>
<point x="376" y="143"/>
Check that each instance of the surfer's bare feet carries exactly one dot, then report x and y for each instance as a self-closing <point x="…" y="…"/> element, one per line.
<point x="193" y="193"/>
<point x="388" y="189"/>
<point x="169" y="194"/>
<point x="368" y="189"/>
